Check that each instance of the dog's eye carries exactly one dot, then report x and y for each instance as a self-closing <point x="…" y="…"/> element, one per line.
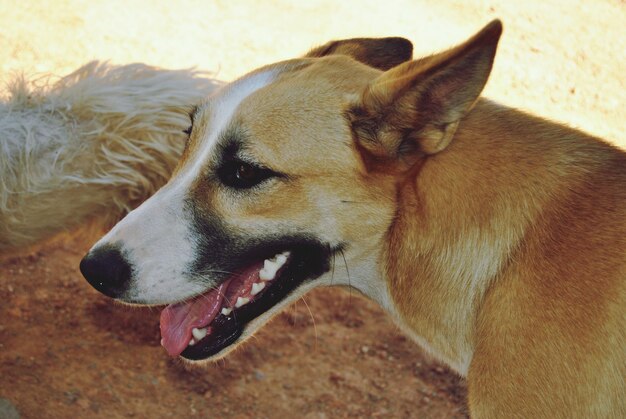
<point x="241" y="175"/>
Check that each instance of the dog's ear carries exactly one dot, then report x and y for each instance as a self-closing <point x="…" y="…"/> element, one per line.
<point x="381" y="53"/>
<point x="414" y="109"/>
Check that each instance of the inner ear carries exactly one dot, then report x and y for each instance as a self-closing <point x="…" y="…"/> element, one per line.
<point x="380" y="53"/>
<point x="414" y="109"/>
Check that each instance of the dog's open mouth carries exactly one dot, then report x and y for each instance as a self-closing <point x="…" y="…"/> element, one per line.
<point x="208" y="323"/>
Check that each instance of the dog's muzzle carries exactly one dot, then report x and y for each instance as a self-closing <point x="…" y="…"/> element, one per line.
<point x="106" y="269"/>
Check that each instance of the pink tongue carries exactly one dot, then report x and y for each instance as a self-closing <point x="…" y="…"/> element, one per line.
<point x="177" y="320"/>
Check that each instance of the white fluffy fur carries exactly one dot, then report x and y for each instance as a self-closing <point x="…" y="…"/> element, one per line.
<point x="90" y="146"/>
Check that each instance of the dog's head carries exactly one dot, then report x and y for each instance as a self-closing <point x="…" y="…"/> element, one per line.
<point x="289" y="180"/>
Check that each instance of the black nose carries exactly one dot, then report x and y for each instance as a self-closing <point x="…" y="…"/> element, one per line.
<point x="106" y="269"/>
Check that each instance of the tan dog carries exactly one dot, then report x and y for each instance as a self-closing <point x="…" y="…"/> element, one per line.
<point x="495" y="239"/>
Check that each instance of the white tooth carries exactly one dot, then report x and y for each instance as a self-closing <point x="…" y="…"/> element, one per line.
<point x="282" y="258"/>
<point x="267" y="275"/>
<point x="269" y="270"/>
<point x="162" y="341"/>
<point x="198" y="334"/>
<point x="241" y="301"/>
<point x="192" y="342"/>
<point x="257" y="287"/>
<point x="226" y="311"/>
<point x="270" y="265"/>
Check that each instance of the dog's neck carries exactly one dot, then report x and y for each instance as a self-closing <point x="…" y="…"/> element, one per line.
<point x="465" y="215"/>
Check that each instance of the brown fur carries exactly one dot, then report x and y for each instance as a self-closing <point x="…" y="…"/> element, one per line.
<point x="547" y="327"/>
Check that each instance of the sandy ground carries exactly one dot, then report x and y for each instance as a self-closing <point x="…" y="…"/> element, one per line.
<point x="65" y="351"/>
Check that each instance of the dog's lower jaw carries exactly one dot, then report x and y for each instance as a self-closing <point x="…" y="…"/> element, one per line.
<point x="270" y="286"/>
<point x="257" y="323"/>
<point x="361" y="273"/>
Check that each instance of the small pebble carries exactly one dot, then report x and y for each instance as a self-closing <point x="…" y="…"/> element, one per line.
<point x="259" y="375"/>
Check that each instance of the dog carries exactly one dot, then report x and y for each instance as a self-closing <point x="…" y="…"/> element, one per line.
<point x="89" y="147"/>
<point x="495" y="239"/>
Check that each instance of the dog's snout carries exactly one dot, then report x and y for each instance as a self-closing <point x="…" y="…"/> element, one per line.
<point x="106" y="269"/>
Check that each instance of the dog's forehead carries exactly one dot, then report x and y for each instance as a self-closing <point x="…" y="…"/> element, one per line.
<point x="283" y="101"/>
<point x="300" y="117"/>
<point x="214" y="117"/>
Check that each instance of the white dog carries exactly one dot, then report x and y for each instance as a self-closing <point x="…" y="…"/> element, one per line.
<point x="90" y="146"/>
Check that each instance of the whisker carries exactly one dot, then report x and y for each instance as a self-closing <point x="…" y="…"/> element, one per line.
<point x="380" y="195"/>
<point x="349" y="280"/>
<point x="312" y="319"/>
<point x="332" y="275"/>
<point x="213" y="271"/>
<point x="295" y="314"/>
<point x="214" y="288"/>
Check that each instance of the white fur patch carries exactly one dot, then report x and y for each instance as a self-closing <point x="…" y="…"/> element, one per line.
<point x="157" y="237"/>
<point x="223" y="107"/>
<point x="157" y="241"/>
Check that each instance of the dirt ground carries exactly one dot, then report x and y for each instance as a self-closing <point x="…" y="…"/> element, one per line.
<point x="66" y="351"/>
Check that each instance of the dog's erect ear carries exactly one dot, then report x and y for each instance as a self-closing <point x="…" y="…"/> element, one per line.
<point x="381" y="53"/>
<point x="415" y="108"/>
